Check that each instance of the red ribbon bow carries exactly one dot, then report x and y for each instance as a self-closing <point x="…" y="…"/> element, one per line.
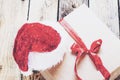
<point x="80" y="48"/>
<point x="95" y="47"/>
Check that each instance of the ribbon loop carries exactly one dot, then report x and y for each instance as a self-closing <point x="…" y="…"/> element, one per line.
<point x="95" y="47"/>
<point x="76" y="49"/>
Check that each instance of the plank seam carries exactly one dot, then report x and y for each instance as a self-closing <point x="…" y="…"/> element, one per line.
<point x="88" y="3"/>
<point x="119" y="17"/>
<point x="28" y="13"/>
<point x="58" y="10"/>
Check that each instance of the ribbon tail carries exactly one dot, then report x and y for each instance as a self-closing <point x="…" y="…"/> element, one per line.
<point x="99" y="65"/>
<point x="104" y="72"/>
<point x="75" y="67"/>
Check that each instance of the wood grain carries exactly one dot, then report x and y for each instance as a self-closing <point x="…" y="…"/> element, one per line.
<point x="107" y="11"/>
<point x="35" y="76"/>
<point x="115" y="74"/>
<point x="66" y="6"/>
<point x="43" y="10"/>
<point x="13" y="14"/>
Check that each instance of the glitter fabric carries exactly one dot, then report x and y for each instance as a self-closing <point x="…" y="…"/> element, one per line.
<point x="34" y="37"/>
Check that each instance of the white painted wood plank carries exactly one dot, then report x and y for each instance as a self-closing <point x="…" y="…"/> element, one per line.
<point x="13" y="14"/>
<point x="66" y="6"/>
<point x="107" y="11"/>
<point x="43" y="10"/>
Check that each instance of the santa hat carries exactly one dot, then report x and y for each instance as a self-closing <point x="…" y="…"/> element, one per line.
<point x="38" y="47"/>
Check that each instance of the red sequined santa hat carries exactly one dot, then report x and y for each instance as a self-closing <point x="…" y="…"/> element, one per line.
<point x="38" y="47"/>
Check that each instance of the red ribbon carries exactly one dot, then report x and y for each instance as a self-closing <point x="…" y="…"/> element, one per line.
<point x="80" y="48"/>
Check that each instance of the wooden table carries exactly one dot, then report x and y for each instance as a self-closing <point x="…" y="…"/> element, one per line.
<point x="14" y="13"/>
